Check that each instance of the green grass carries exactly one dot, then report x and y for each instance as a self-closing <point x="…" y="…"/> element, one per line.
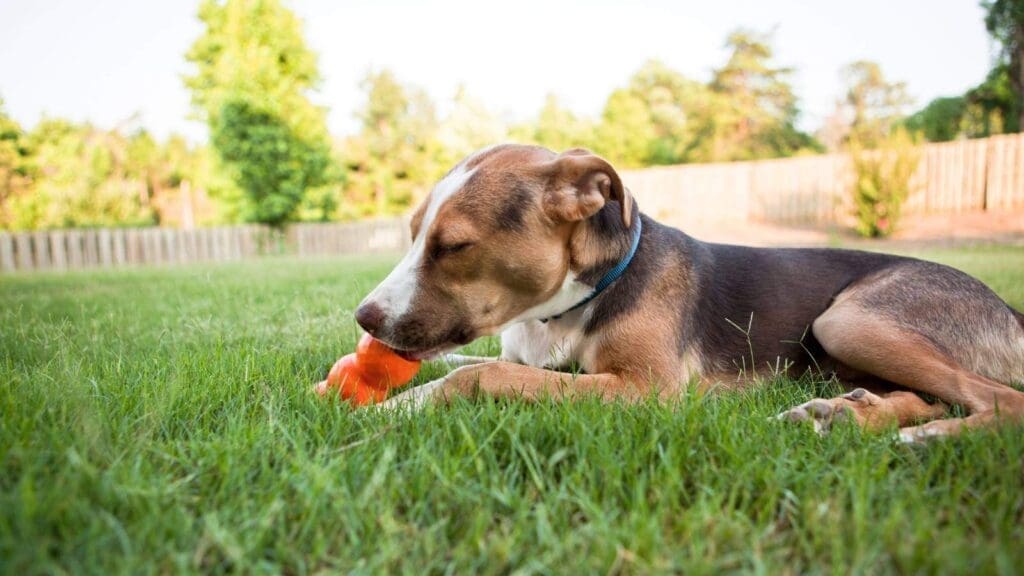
<point x="161" y="421"/>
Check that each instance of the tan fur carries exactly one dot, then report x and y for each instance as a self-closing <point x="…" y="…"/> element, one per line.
<point x="871" y="411"/>
<point x="858" y="338"/>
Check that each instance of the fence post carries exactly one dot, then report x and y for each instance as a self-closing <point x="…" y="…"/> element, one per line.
<point x="106" y="250"/>
<point x="225" y="236"/>
<point x="23" y="251"/>
<point x="168" y="237"/>
<point x="6" y="252"/>
<point x="58" y="250"/>
<point x="74" y="249"/>
<point x="91" y="256"/>
<point x="41" y="250"/>
<point x="193" y="245"/>
<point x="120" y="257"/>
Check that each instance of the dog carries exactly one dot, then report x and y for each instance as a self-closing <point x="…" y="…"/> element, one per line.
<point x="551" y="252"/>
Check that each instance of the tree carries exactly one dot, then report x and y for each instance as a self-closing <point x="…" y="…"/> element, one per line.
<point x="756" y="110"/>
<point x="556" y="128"/>
<point x="991" y="105"/>
<point x="747" y="111"/>
<point x="626" y="130"/>
<point x="1004" y="19"/>
<point x="469" y="126"/>
<point x="271" y="163"/>
<point x="14" y="165"/>
<point x="82" y="176"/>
<point x="675" y="105"/>
<point x="396" y="156"/>
<point x="252" y="75"/>
<point x="872" y="105"/>
<point x="941" y="120"/>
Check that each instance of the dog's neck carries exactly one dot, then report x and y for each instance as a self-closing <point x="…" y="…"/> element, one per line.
<point x="601" y="242"/>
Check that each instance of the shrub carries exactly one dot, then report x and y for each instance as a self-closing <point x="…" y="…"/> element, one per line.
<point x="883" y="181"/>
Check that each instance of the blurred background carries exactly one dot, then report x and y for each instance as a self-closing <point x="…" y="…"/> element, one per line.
<point x="138" y="132"/>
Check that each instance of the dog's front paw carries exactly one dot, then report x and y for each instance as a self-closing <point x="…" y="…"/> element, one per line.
<point x="412" y="399"/>
<point x="459" y="382"/>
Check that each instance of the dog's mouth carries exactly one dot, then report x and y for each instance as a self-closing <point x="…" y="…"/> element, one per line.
<point x="418" y="350"/>
<point x="425" y="354"/>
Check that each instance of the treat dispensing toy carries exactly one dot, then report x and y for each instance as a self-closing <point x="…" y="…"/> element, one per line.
<point x="365" y="376"/>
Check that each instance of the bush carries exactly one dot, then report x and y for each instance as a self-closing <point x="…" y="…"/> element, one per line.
<point x="883" y="181"/>
<point x="271" y="164"/>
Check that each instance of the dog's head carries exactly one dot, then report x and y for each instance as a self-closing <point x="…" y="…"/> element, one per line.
<point x="491" y="245"/>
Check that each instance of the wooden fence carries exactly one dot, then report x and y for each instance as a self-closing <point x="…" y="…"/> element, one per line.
<point x="96" y="248"/>
<point x="118" y="247"/>
<point x="953" y="177"/>
<point x="381" y="235"/>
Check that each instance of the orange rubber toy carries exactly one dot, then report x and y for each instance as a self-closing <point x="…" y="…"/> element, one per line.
<point x="366" y="376"/>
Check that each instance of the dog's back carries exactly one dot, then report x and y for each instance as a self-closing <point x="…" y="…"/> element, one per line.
<point x="756" y="305"/>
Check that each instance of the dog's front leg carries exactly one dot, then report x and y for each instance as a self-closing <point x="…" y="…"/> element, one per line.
<point x="508" y="380"/>
<point x="458" y="360"/>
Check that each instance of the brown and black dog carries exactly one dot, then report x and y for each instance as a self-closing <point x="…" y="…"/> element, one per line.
<point x="550" y="251"/>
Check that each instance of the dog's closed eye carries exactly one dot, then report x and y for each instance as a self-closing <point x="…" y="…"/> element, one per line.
<point x="442" y="250"/>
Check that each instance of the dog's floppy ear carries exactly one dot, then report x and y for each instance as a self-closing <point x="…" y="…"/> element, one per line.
<point x="579" y="184"/>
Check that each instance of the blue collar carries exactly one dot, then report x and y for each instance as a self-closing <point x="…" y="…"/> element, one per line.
<point x="612" y="274"/>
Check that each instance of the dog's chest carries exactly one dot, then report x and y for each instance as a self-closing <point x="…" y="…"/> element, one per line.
<point x="553" y="345"/>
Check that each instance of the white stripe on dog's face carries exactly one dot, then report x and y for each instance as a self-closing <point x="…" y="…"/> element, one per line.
<point x="396" y="293"/>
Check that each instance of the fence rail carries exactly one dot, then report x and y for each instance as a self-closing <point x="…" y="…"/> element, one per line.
<point x="953" y="177"/>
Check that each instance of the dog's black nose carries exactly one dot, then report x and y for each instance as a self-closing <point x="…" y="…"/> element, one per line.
<point x="370" y="316"/>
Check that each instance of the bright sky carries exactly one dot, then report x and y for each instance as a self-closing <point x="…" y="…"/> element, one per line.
<point x="104" y="61"/>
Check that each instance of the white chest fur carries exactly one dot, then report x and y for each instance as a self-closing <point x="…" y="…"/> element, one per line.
<point x="553" y="345"/>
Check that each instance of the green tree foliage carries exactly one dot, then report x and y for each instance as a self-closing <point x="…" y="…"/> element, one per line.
<point x="941" y="120"/>
<point x="396" y="156"/>
<point x="85" y="177"/>
<point x="253" y="72"/>
<point x="992" y="104"/>
<point x="14" y="165"/>
<point x="469" y="126"/>
<point x="62" y="174"/>
<point x="556" y="128"/>
<point x="748" y="110"/>
<point x="674" y="105"/>
<point x="270" y="162"/>
<point x="872" y="105"/>
<point x="883" y="181"/>
<point x="1004" y="20"/>
<point x="983" y="111"/>
<point x="756" y="110"/>
<point x="995" y="106"/>
<point x="626" y="130"/>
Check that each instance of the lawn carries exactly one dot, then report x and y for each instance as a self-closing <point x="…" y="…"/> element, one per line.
<point x="162" y="421"/>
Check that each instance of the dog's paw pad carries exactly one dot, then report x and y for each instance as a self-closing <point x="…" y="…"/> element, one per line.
<point x="855" y="395"/>
<point x="823" y="413"/>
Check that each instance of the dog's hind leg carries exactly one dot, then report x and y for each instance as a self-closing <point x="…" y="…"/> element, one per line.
<point x="893" y="351"/>
<point x="869" y="409"/>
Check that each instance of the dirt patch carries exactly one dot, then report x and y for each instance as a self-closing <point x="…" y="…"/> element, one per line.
<point x="933" y="230"/>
